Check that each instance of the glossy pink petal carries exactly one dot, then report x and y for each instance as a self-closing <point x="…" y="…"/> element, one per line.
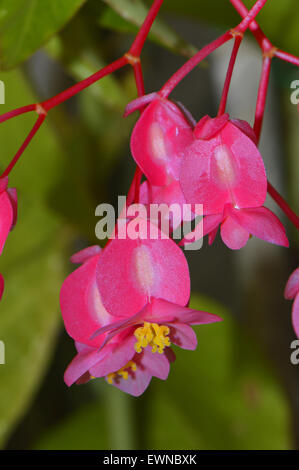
<point x="136" y="384"/>
<point x="148" y="365"/>
<point x="154" y="363"/>
<point x="1" y="286"/>
<point x="80" y="365"/>
<point x="228" y="168"/>
<point x="161" y="311"/>
<point x="292" y="287"/>
<point x="158" y="141"/>
<point x="6" y="218"/>
<point x="82" y="309"/>
<point x="295" y="315"/>
<point x="176" y="210"/>
<point x="262" y="223"/>
<point x="233" y="234"/>
<point x="85" y="254"/>
<point x="207" y="127"/>
<point x="117" y="355"/>
<point x="131" y="272"/>
<point x="245" y="128"/>
<point x="183" y="336"/>
<point x="210" y="224"/>
<point x="12" y="194"/>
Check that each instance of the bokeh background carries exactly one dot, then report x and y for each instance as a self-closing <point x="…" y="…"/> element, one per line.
<point x="239" y="389"/>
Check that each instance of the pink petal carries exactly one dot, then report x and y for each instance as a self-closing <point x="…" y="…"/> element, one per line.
<point x="136" y="384"/>
<point x="262" y="223"/>
<point x="117" y="355"/>
<point x="160" y="311"/>
<point x="212" y="235"/>
<point x="131" y="272"/>
<point x="85" y="254"/>
<point x="183" y="336"/>
<point x="6" y="218"/>
<point x="246" y="128"/>
<point x="292" y="287"/>
<point x="208" y="127"/>
<point x="233" y="235"/>
<point x="295" y="315"/>
<point x="12" y="194"/>
<point x="158" y="141"/>
<point x="148" y="365"/>
<point x="210" y="224"/>
<point x="81" y="363"/>
<point x="176" y="209"/>
<point x="82" y="309"/>
<point x="154" y="363"/>
<point x="1" y="286"/>
<point x="225" y="169"/>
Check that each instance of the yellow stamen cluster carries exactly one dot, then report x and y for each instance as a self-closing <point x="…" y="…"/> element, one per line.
<point x="123" y="372"/>
<point x="154" y="335"/>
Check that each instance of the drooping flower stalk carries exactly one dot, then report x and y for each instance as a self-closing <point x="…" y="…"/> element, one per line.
<point x="231" y="65"/>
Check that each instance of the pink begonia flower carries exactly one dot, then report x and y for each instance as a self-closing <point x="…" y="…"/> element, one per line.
<point x="292" y="292"/>
<point x="223" y="166"/>
<point x="237" y="225"/>
<point x="216" y="161"/>
<point x="8" y="210"/>
<point x="124" y="307"/>
<point x="158" y="141"/>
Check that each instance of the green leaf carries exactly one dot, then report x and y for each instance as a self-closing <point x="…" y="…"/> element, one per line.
<point x="133" y="12"/>
<point x="223" y="394"/>
<point x="32" y="263"/>
<point x="25" y="25"/>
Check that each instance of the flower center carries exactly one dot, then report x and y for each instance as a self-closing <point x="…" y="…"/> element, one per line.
<point x="123" y="372"/>
<point x="154" y="335"/>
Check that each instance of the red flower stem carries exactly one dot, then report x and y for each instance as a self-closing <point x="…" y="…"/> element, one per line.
<point x="139" y="78"/>
<point x="287" y="57"/>
<point x="261" y="97"/>
<point x="28" y="139"/>
<point x="175" y="79"/>
<point x="136" y="48"/>
<point x="134" y="191"/>
<point x="209" y="48"/>
<point x="73" y="90"/>
<point x="261" y="38"/>
<point x="283" y="205"/>
<point x="251" y="15"/>
<point x="46" y="105"/>
<point x="223" y="101"/>
<point x="17" y="112"/>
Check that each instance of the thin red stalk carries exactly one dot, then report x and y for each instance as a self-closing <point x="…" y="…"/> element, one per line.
<point x="17" y="112"/>
<point x="193" y="62"/>
<point x="261" y="38"/>
<point x="73" y="90"/>
<point x="251" y="15"/>
<point x="133" y="194"/>
<point x="262" y="96"/>
<point x="229" y="74"/>
<point x="28" y="139"/>
<point x="283" y="205"/>
<point x="209" y="48"/>
<point x="139" y="78"/>
<point x="287" y="57"/>
<point x="140" y="39"/>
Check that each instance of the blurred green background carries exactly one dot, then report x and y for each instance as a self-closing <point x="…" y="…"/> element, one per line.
<point x="239" y="389"/>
